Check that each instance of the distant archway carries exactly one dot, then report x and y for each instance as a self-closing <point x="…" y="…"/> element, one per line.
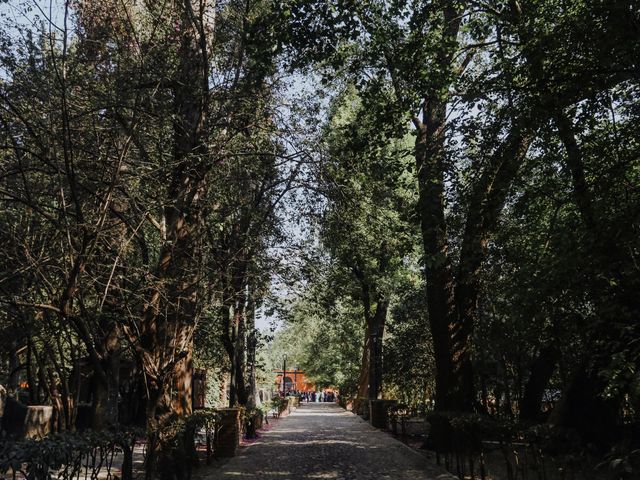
<point x="294" y="380"/>
<point x="288" y="384"/>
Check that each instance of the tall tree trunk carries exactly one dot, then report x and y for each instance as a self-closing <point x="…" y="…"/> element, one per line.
<point x="228" y="342"/>
<point x="376" y="332"/>
<point x="371" y="368"/>
<point x="452" y="367"/>
<point x="34" y="386"/>
<point x="107" y="377"/>
<point x="429" y="152"/>
<point x="616" y="303"/>
<point x="105" y="395"/>
<point x="453" y="304"/>
<point x="238" y="384"/>
<point x="253" y="399"/>
<point x="584" y="409"/>
<point x="170" y="315"/>
<point x="540" y="374"/>
<point x="370" y="378"/>
<point x="14" y="367"/>
<point x="363" y="377"/>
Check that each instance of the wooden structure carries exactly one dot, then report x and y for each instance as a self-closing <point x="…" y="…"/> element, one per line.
<point x="199" y="388"/>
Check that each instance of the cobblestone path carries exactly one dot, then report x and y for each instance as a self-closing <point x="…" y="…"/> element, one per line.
<point x="322" y="441"/>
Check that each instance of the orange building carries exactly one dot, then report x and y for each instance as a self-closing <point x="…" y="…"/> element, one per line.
<point x="294" y="380"/>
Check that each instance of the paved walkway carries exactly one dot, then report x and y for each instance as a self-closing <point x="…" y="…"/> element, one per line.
<point x="322" y="441"/>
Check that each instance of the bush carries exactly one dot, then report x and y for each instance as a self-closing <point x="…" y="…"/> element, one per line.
<point x="279" y="404"/>
<point x="461" y="432"/>
<point x="66" y="454"/>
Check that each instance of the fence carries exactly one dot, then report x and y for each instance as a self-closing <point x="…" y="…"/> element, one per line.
<point x="70" y="456"/>
<point x="109" y="454"/>
<point x="474" y="446"/>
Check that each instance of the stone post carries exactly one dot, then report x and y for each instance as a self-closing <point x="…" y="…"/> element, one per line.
<point x="378" y="412"/>
<point x="361" y="407"/>
<point x="38" y="421"/>
<point x="229" y="434"/>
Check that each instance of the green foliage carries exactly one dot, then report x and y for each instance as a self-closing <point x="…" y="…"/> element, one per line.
<point x="279" y="404"/>
<point x="323" y="341"/>
<point x="65" y="454"/>
<point x="535" y="248"/>
<point x="546" y="254"/>
<point x="409" y="368"/>
<point x="621" y="463"/>
<point x="206" y="418"/>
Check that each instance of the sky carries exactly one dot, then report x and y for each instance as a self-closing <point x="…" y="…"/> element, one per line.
<point x="32" y="12"/>
<point x="26" y="15"/>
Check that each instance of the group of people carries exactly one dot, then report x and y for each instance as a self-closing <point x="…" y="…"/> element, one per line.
<point x="318" y="396"/>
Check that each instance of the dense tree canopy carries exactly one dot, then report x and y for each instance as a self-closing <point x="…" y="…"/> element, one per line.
<point x="435" y="201"/>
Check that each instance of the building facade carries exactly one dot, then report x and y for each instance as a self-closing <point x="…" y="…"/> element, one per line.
<point x="294" y="381"/>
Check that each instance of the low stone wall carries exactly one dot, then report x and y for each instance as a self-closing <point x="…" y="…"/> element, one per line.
<point x="21" y="421"/>
<point x="38" y="421"/>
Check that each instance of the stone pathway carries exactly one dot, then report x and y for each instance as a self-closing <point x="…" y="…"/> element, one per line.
<point x="323" y="441"/>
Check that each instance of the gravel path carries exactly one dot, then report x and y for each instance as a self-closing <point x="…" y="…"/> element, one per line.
<point x="323" y="441"/>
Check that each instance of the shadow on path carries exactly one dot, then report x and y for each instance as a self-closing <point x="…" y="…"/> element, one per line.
<point x="323" y="441"/>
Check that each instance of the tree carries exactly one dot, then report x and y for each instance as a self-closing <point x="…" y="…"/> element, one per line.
<point x="447" y="67"/>
<point x="118" y="223"/>
<point x="365" y="228"/>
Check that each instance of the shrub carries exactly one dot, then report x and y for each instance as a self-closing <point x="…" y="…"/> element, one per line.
<point x="279" y="404"/>
<point x="66" y="454"/>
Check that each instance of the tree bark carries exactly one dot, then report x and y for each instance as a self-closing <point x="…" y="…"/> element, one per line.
<point x="429" y="151"/>
<point x="616" y="302"/>
<point x="376" y="332"/>
<point x="173" y="306"/>
<point x="363" y="377"/>
<point x="105" y="396"/>
<point x="238" y="372"/>
<point x="370" y="378"/>
<point x="540" y="374"/>
<point x="106" y="375"/>
<point x="584" y="409"/>
<point x="253" y="399"/>
<point x="430" y="163"/>
<point x="453" y="305"/>
<point x="14" y="367"/>
<point x="34" y="386"/>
